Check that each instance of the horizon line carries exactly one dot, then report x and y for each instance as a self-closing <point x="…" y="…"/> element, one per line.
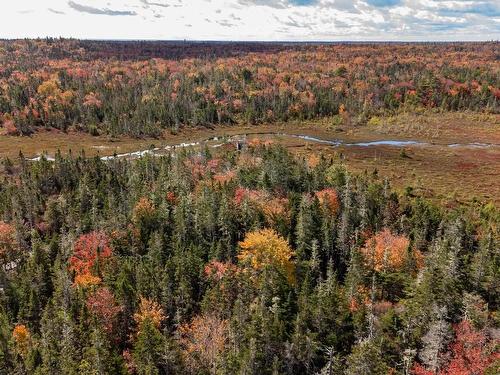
<point x="186" y="40"/>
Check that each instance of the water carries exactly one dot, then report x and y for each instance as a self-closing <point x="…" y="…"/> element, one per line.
<point x="313" y="139"/>
<point x="386" y="143"/>
<point x="473" y="145"/>
<point x="158" y="151"/>
<point x="360" y="144"/>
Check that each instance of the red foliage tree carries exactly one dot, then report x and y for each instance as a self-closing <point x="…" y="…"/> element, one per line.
<point x="89" y="251"/>
<point x="471" y="353"/>
<point x="103" y="305"/>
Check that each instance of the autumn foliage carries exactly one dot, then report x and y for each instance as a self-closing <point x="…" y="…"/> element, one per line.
<point x="271" y="272"/>
<point x="274" y="209"/>
<point x="149" y="310"/>
<point x="103" y="305"/>
<point x="217" y="271"/>
<point x="22" y="337"/>
<point x="9" y="127"/>
<point x="143" y="210"/>
<point x="7" y="232"/>
<point x="385" y="251"/>
<point x="472" y="353"/>
<point x="80" y="84"/>
<point x="90" y="251"/>
<point x="265" y="248"/>
<point x="87" y="280"/>
<point x="204" y="340"/>
<point x="329" y="199"/>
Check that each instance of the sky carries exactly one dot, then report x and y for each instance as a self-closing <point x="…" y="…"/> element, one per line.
<point x="276" y="20"/>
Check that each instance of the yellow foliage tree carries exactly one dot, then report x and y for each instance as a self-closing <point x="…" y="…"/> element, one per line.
<point x="149" y="310"/>
<point x="143" y="210"/>
<point x="49" y="88"/>
<point x="87" y="280"/>
<point x="265" y="248"/>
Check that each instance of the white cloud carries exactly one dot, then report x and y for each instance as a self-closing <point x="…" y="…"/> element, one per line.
<point x="253" y="19"/>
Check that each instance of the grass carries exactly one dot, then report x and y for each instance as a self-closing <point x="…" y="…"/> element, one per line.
<point x="462" y="175"/>
<point x="439" y="172"/>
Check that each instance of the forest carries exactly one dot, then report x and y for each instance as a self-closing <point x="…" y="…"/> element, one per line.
<point x="246" y="262"/>
<point x="249" y="256"/>
<point x="142" y="89"/>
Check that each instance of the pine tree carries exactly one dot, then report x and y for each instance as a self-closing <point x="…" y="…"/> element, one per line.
<point x="97" y="359"/>
<point x="366" y="359"/>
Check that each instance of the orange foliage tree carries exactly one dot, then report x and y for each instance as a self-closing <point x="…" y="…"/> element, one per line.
<point x="329" y="199"/>
<point x="6" y="238"/>
<point x="143" y="211"/>
<point x="149" y="310"/>
<point x="204" y="340"/>
<point x="89" y="252"/>
<point x="265" y="248"/>
<point x="143" y="216"/>
<point x="275" y="209"/>
<point x="22" y="338"/>
<point x="385" y="251"/>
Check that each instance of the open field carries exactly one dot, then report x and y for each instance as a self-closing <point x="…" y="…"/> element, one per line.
<point x="448" y="174"/>
<point x="434" y="170"/>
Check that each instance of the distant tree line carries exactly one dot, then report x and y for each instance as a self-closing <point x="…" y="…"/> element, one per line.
<point x="75" y="85"/>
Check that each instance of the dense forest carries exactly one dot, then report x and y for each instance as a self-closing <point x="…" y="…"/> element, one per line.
<point x="242" y="262"/>
<point x="147" y="88"/>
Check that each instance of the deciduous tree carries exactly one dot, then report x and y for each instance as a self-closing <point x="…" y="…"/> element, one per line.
<point x="265" y="248"/>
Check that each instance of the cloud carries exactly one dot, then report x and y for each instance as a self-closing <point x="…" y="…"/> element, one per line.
<point x="104" y="11"/>
<point x="225" y="23"/>
<point x="292" y="22"/>
<point x="299" y="20"/>
<point x="268" y="3"/>
<point x="383" y="3"/>
<point x="344" y="5"/>
<point x="279" y="4"/>
<point x="302" y="2"/>
<point x="483" y="8"/>
<point x="163" y="4"/>
<point x="55" y="11"/>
